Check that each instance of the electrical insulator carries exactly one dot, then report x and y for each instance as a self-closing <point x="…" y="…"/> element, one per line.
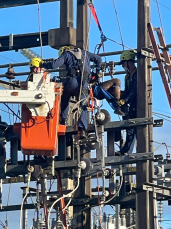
<point x="10" y="73"/>
<point x="29" y="54"/>
<point x="111" y="67"/>
<point x="160" y="211"/>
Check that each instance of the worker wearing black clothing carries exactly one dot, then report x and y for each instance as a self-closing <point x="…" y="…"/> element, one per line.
<point x="129" y="95"/>
<point x="76" y="61"/>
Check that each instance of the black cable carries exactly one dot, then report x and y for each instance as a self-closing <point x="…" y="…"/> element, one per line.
<point x="163" y="5"/>
<point x="12" y="111"/>
<point x="161" y="143"/>
<point x="118" y="43"/>
<point x="162" y="114"/>
<point x="118" y="24"/>
<point x="8" y="58"/>
<point x="162" y="117"/>
<point x="163" y="111"/>
<point x="160" y="16"/>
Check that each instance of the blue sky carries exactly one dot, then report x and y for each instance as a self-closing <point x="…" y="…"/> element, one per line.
<point x="21" y="20"/>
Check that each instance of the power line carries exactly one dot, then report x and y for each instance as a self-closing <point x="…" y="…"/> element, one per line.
<point x="118" y="24"/>
<point x="8" y="58"/>
<point x="162" y="114"/>
<point x="40" y="28"/>
<point x="160" y="16"/>
<point x="162" y="111"/>
<point x="163" y="5"/>
<point x="162" y="117"/>
<point x="161" y="143"/>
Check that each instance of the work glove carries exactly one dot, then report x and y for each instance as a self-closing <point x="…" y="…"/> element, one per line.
<point x="120" y="102"/>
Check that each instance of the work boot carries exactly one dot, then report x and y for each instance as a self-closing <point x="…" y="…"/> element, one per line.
<point x="118" y="111"/>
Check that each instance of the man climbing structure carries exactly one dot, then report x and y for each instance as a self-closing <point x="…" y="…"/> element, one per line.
<point x="124" y="102"/>
<point x="77" y="64"/>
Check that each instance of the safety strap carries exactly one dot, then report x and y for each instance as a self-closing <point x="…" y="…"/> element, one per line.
<point x="93" y="11"/>
<point x="91" y="102"/>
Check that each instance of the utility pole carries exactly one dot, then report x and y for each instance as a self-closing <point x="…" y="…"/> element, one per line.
<point x="143" y="172"/>
<point x="152" y="195"/>
<point x="84" y="218"/>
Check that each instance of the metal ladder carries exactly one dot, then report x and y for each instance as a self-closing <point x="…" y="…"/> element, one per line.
<point x="163" y="60"/>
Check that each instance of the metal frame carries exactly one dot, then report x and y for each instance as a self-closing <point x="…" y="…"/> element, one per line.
<point x="12" y="3"/>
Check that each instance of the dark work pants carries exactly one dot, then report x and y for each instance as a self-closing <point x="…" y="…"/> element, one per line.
<point x="130" y="133"/>
<point x="72" y="88"/>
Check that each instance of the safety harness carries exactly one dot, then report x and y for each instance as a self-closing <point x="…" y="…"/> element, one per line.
<point x="91" y="78"/>
<point x="78" y="69"/>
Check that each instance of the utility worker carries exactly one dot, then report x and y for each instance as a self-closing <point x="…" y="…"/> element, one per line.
<point x="124" y="103"/>
<point x="77" y="64"/>
<point x="129" y="96"/>
<point x="34" y="67"/>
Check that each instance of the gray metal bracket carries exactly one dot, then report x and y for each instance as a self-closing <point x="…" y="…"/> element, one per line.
<point x="162" y="190"/>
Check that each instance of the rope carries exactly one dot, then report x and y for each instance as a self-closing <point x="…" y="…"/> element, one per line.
<point x="118" y="23"/>
<point x="157" y="147"/>
<point x="84" y="59"/>
<point x="40" y="28"/>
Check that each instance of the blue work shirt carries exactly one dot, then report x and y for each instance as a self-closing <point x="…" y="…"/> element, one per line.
<point x="70" y="60"/>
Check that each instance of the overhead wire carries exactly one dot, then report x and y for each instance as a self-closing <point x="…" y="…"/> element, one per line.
<point x="162" y="5"/>
<point x="162" y="117"/>
<point x="8" y="58"/>
<point x="40" y="29"/>
<point x="12" y="111"/>
<point x="162" y="114"/>
<point x="161" y="143"/>
<point x="160" y="17"/>
<point x="118" y="23"/>
<point x="163" y="111"/>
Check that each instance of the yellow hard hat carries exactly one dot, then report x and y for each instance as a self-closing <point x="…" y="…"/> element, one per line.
<point x="35" y="62"/>
<point x="127" y="55"/>
<point x="63" y="49"/>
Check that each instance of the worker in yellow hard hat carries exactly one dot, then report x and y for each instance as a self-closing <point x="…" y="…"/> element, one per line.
<point x="35" y="67"/>
<point x="78" y="69"/>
